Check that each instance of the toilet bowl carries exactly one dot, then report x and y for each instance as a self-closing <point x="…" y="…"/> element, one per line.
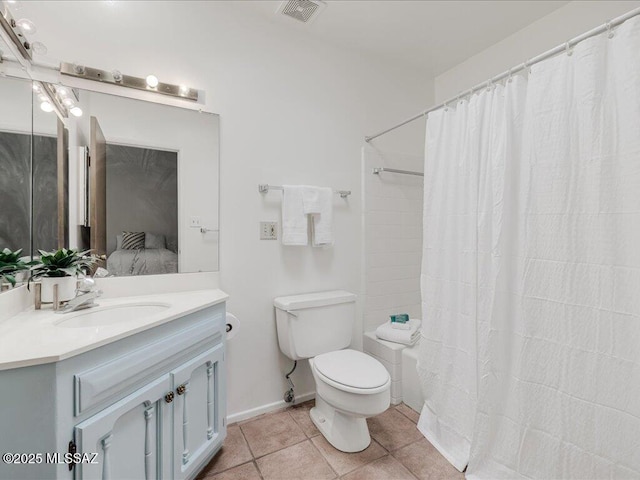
<point x="350" y="386"/>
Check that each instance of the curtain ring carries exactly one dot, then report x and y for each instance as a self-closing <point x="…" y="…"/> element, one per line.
<point x="527" y="67"/>
<point x="509" y="76"/>
<point x="567" y="49"/>
<point x="609" y="30"/>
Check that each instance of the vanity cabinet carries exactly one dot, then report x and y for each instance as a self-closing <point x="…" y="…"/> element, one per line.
<point x="151" y="405"/>
<point x="128" y="435"/>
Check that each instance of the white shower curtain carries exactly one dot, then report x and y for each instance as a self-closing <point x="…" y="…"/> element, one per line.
<point x="530" y="357"/>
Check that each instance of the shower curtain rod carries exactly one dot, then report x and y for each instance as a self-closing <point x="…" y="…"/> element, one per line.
<point x="544" y="56"/>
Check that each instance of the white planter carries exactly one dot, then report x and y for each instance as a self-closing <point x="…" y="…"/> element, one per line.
<point x="66" y="288"/>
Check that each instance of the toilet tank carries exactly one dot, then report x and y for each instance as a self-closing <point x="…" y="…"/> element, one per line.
<point x="314" y="323"/>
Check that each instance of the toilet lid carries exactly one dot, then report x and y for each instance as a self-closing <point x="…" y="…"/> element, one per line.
<point x="352" y="368"/>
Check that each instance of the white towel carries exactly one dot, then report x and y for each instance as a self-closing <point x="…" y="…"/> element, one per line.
<point x="311" y="200"/>
<point x="406" y="337"/>
<point x="294" y="220"/>
<point x="321" y="226"/>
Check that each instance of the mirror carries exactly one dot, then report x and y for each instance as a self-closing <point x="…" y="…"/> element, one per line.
<point x="137" y="182"/>
<point x="143" y="185"/>
<point x="15" y="164"/>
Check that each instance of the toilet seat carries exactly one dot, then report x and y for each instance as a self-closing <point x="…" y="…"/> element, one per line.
<point x="352" y="371"/>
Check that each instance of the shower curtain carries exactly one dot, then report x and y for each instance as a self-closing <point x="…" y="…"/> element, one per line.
<point x="530" y="356"/>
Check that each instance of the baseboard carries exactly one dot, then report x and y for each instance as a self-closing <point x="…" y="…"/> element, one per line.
<point x="270" y="407"/>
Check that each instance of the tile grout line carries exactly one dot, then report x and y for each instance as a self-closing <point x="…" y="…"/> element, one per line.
<point x="214" y="474"/>
<point x="255" y="465"/>
<point x="336" y="475"/>
<point x="247" y="442"/>
<point x="280" y="449"/>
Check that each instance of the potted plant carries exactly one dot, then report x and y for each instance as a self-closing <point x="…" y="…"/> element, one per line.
<point x="11" y="265"/>
<point x="61" y="267"/>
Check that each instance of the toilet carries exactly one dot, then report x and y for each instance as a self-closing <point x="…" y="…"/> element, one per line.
<point x="350" y="385"/>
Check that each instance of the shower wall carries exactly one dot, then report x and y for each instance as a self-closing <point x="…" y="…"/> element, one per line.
<point x="392" y="226"/>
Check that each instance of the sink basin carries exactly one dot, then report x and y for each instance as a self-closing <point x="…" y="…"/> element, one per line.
<point x="112" y="315"/>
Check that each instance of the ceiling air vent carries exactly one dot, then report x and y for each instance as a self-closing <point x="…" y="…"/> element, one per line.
<point x="302" y="10"/>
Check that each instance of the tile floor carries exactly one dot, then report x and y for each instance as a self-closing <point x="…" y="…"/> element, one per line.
<point x="285" y="445"/>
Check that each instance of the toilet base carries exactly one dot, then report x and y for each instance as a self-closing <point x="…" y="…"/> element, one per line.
<point x="347" y="433"/>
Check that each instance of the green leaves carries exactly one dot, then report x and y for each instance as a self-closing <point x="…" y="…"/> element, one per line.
<point x="58" y="263"/>
<point x="63" y="263"/>
<point x="11" y="263"/>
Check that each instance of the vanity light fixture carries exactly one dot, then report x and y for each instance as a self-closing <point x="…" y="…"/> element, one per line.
<point x="149" y="84"/>
<point x="152" y="81"/>
<point x="14" y="37"/>
<point x="50" y="99"/>
<point x="27" y="26"/>
<point x="46" y="107"/>
<point x="39" y="48"/>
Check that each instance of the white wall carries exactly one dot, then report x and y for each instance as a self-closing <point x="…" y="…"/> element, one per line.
<point x="392" y="236"/>
<point x="292" y="110"/>
<point x="554" y="29"/>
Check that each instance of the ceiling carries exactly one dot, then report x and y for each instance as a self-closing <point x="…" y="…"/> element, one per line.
<point x="429" y="35"/>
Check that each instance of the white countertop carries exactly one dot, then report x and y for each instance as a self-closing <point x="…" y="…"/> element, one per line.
<point x="33" y="338"/>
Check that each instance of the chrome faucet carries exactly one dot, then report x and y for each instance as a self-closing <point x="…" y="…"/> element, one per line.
<point x="85" y="296"/>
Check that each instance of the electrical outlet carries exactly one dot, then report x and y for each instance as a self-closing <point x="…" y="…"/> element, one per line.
<point x="195" y="222"/>
<point x="268" y="230"/>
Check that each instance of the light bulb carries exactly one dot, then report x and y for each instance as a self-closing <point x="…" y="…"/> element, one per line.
<point x="39" y="48"/>
<point x="152" y="81"/>
<point x="62" y="91"/>
<point x="76" y="111"/>
<point x="36" y="88"/>
<point x="27" y="26"/>
<point x="68" y="102"/>
<point x="46" y="107"/>
<point x="42" y="97"/>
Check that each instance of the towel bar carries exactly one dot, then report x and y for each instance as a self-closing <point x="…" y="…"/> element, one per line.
<point x="264" y="188"/>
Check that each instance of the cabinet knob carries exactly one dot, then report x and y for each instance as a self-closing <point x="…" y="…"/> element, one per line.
<point x="168" y="397"/>
<point x="181" y="389"/>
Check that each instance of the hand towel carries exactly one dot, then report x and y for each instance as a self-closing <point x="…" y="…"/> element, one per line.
<point x="311" y="200"/>
<point x="321" y="226"/>
<point x="406" y="337"/>
<point x="294" y="220"/>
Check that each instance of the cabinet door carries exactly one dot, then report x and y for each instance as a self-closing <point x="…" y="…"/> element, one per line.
<point x="198" y="411"/>
<point x="128" y="436"/>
